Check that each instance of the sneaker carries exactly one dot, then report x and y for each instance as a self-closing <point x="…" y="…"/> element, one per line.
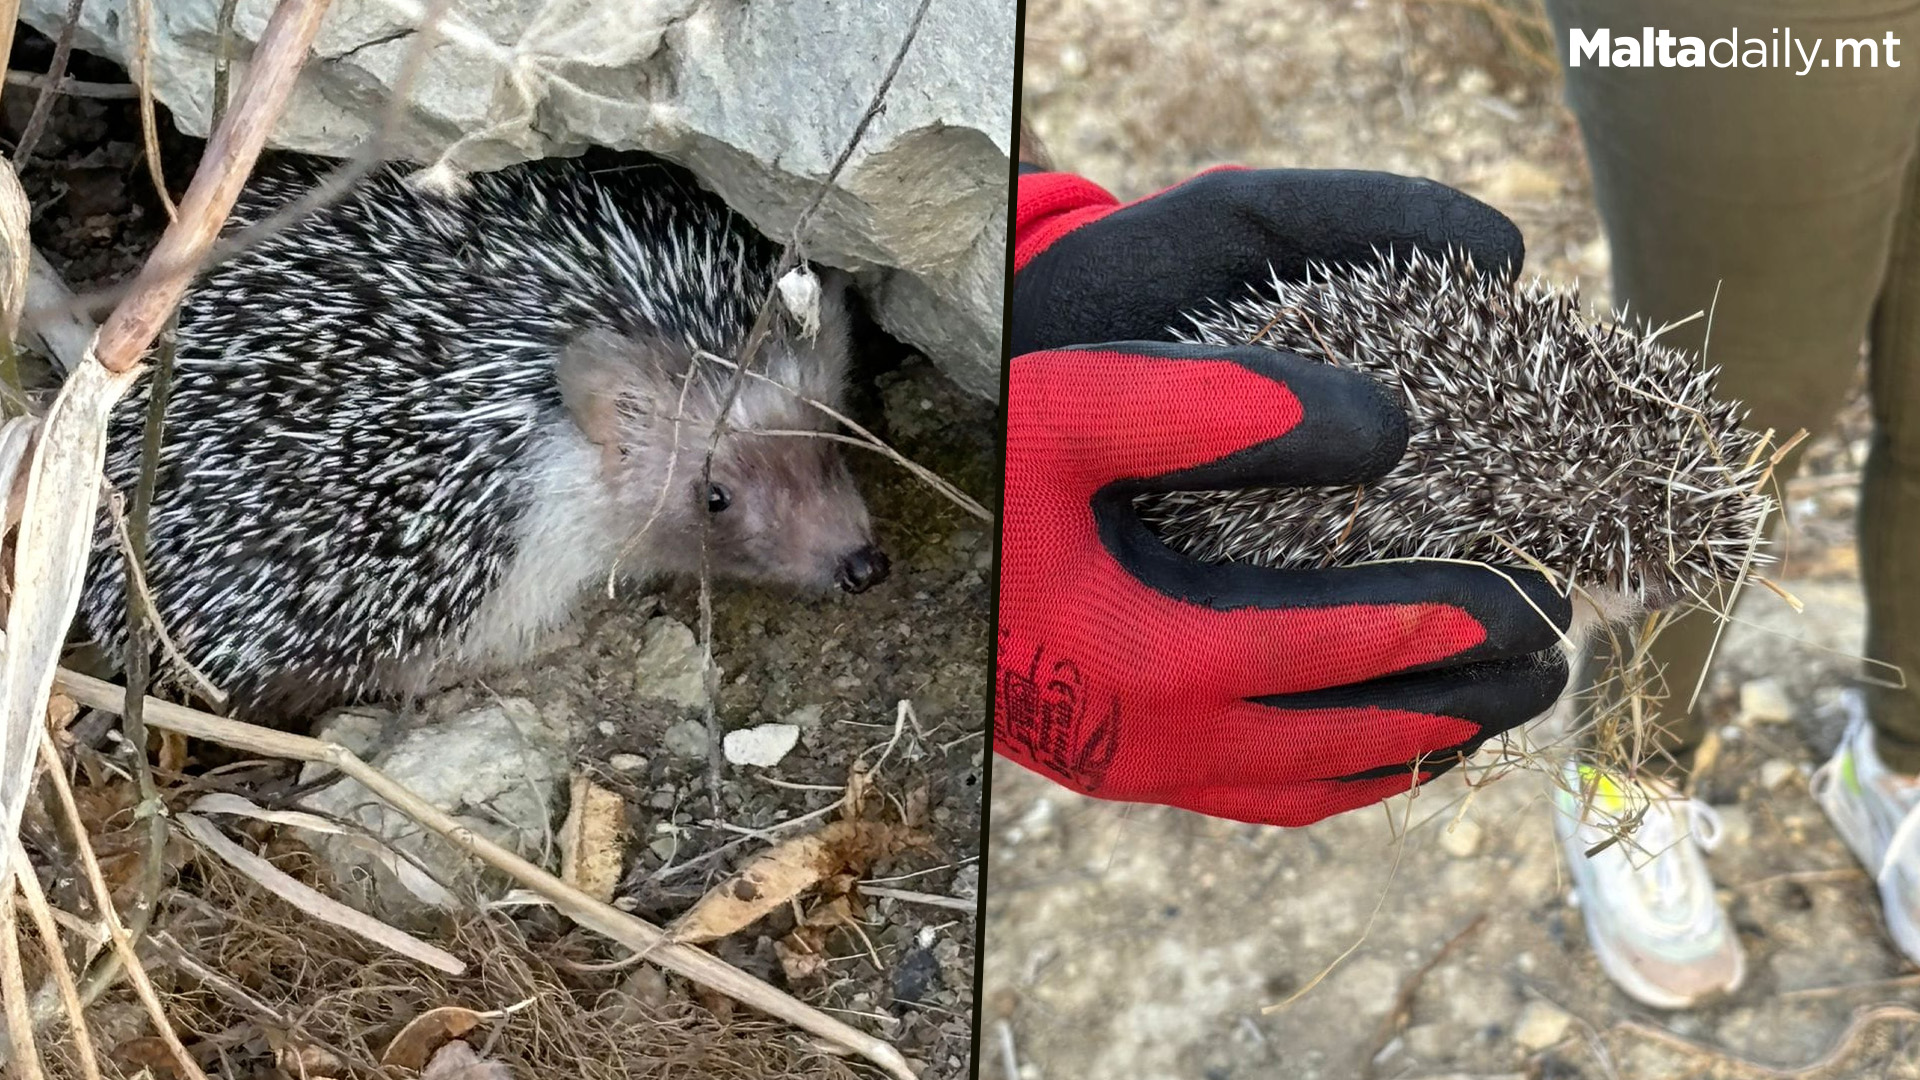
<point x="1873" y="810"/>
<point x="1648" y="901"/>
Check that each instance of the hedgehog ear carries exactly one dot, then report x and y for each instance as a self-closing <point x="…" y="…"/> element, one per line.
<point x="605" y="377"/>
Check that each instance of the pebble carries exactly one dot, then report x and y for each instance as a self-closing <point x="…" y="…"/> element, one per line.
<point x="628" y="763"/>
<point x="686" y="738"/>
<point x="763" y="746"/>
<point x="1475" y="81"/>
<point x="806" y="716"/>
<point x="669" y="666"/>
<point x="1540" y="1025"/>
<point x="1764" y="701"/>
<point x="1777" y="771"/>
<point x="1462" y="839"/>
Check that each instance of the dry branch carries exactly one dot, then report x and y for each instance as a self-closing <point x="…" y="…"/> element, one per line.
<point x="223" y="171"/>
<point x="306" y="899"/>
<point x="46" y="925"/>
<point x="43" y="105"/>
<point x="610" y="922"/>
<point x="117" y="933"/>
<point x="55" y="534"/>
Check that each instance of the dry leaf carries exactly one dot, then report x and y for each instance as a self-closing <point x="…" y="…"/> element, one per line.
<point x="303" y="1060"/>
<point x="919" y="802"/>
<point x="432" y="1030"/>
<point x="173" y="752"/>
<point x="804" y="951"/>
<point x="715" y="1002"/>
<point x="16" y="252"/>
<point x="458" y="1061"/>
<point x="593" y="842"/>
<point x="799" y="960"/>
<point x="149" y="1054"/>
<point x="841" y="850"/>
<point x="61" y="712"/>
<point x="859" y="784"/>
<point x="50" y="564"/>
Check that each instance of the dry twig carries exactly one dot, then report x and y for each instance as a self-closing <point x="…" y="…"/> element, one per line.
<point x="628" y="930"/>
<point x="54" y="82"/>
<point x="790" y="258"/>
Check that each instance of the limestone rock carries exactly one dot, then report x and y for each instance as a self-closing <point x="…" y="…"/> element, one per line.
<point x="757" y="99"/>
<point x="498" y="770"/>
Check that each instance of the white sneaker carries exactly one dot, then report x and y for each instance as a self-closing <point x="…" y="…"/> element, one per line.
<point x="1873" y="810"/>
<point x="1647" y="899"/>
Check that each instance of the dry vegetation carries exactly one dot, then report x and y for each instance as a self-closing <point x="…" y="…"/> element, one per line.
<point x="144" y="940"/>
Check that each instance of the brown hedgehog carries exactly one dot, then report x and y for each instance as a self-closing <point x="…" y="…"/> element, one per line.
<point x="1536" y="436"/>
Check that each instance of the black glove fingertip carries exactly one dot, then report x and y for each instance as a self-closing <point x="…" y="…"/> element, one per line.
<point x="1488" y="236"/>
<point x="1497" y="696"/>
<point x="1521" y="610"/>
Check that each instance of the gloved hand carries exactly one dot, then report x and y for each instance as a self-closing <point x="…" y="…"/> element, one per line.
<point x="1131" y="672"/>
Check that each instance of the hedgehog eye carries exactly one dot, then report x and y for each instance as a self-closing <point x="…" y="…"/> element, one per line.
<point x="718" y="499"/>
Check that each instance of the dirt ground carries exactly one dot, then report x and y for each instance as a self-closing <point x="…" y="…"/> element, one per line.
<point x="1145" y="942"/>
<point x="838" y="666"/>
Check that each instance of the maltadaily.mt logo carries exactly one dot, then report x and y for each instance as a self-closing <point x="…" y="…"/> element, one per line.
<point x="1781" y="48"/>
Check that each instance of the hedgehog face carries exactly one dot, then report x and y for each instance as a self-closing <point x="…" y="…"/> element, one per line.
<point x="781" y="505"/>
<point x="784" y="509"/>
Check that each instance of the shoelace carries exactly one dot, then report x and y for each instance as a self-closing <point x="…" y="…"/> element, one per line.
<point x="1704" y="829"/>
<point x="1706" y="825"/>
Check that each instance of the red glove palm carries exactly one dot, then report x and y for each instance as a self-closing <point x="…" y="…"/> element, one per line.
<point x="1279" y="696"/>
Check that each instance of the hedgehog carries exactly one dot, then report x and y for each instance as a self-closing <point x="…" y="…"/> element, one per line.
<point x="408" y="432"/>
<point x="1537" y="437"/>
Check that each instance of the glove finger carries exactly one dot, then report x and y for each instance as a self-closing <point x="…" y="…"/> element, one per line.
<point x="1301" y="803"/>
<point x="1151" y="416"/>
<point x="1140" y="269"/>
<point x="1492" y="697"/>
<point x="1381" y="728"/>
<point x="1272" y="631"/>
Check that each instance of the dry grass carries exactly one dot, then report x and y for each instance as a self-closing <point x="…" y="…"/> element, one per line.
<point x="250" y="983"/>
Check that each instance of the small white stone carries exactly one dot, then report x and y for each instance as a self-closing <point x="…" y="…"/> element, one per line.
<point x="1764" y="701"/>
<point x="1462" y="838"/>
<point x="628" y="763"/>
<point x="1540" y="1025"/>
<point x="1775" y="771"/>
<point x="762" y="746"/>
<point x="1475" y="82"/>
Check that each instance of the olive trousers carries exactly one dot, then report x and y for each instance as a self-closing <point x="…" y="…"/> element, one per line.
<point x="1797" y="196"/>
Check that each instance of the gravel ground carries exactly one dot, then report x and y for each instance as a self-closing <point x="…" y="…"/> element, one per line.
<point x="1145" y="942"/>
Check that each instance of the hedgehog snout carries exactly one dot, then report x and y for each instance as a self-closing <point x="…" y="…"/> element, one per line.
<point x="862" y="569"/>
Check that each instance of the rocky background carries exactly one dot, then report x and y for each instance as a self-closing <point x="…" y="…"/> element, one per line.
<point x="1145" y="942"/>
<point x="757" y="99"/>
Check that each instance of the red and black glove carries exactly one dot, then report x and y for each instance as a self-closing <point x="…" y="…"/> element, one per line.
<point x="1129" y="671"/>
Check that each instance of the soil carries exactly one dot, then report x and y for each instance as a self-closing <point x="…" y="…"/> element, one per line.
<point x="1146" y="942"/>
<point x="839" y="666"/>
